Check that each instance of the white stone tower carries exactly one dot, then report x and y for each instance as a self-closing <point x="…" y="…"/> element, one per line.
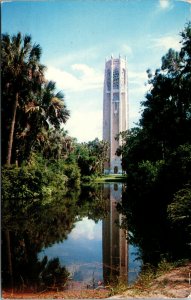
<point x="115" y="109"/>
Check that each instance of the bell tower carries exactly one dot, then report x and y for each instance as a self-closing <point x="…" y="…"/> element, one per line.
<point x="115" y="109"/>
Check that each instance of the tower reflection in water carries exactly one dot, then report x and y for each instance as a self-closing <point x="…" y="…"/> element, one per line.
<point x="114" y="240"/>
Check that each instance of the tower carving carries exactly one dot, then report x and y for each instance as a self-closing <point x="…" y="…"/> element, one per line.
<point x="115" y="109"/>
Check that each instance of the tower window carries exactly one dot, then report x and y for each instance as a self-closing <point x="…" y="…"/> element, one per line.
<point x="116" y="78"/>
<point x="123" y="77"/>
<point x="116" y="97"/>
<point x="108" y="80"/>
<point x="116" y="107"/>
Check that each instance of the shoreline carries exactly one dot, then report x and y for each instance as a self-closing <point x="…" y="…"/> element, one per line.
<point x="171" y="284"/>
<point x="174" y="283"/>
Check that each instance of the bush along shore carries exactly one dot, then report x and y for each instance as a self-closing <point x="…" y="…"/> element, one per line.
<point x="168" y="281"/>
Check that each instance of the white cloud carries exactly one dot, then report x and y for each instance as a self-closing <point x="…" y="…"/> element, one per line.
<point x="87" y="229"/>
<point x="165" y="4"/>
<point x="138" y="91"/>
<point x="64" y="80"/>
<point x="83" y="86"/>
<point x="137" y="77"/>
<point x="81" y="78"/>
<point x="166" y="42"/>
<point x="89" y="78"/>
<point x="86" y="70"/>
<point x="85" y="124"/>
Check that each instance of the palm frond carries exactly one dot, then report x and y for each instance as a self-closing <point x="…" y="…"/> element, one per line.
<point x="60" y="95"/>
<point x="36" y="52"/>
<point x="26" y="40"/>
<point x="31" y="106"/>
<point x="17" y="39"/>
<point x="51" y="85"/>
<point x="6" y="38"/>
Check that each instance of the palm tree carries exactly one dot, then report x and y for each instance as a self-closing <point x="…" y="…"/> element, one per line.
<point x="22" y="74"/>
<point x="57" y="144"/>
<point x="47" y="110"/>
<point x="53" y="105"/>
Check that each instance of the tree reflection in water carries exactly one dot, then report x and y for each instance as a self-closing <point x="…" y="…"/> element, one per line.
<point x="98" y="252"/>
<point x="30" y="226"/>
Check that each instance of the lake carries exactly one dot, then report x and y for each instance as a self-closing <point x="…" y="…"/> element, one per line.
<point x="98" y="251"/>
<point x="81" y="229"/>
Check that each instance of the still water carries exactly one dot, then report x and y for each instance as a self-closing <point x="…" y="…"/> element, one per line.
<point x="81" y="230"/>
<point x="98" y="251"/>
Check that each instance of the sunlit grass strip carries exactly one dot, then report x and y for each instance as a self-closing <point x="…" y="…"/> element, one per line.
<point x="111" y="178"/>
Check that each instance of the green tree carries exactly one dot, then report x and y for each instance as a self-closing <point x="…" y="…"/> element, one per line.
<point x="167" y="108"/>
<point x="46" y="112"/>
<point x="30" y="104"/>
<point x="91" y="157"/>
<point x="99" y="150"/>
<point x="56" y="144"/>
<point x="156" y="157"/>
<point x="22" y="75"/>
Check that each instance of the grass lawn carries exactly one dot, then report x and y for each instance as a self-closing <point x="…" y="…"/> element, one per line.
<point x="111" y="178"/>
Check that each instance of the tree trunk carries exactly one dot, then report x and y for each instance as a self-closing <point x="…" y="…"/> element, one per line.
<point x="11" y="134"/>
<point x="9" y="258"/>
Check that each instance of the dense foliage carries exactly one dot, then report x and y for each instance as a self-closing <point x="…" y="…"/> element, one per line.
<point x="40" y="162"/>
<point x="30" y="225"/>
<point x="30" y="104"/>
<point x="33" y="115"/>
<point x="157" y="159"/>
<point x="91" y="157"/>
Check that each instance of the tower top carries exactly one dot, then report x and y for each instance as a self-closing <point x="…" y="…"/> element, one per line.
<point x="120" y="58"/>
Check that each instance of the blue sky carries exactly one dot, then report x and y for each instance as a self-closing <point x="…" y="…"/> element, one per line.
<point x="77" y="36"/>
